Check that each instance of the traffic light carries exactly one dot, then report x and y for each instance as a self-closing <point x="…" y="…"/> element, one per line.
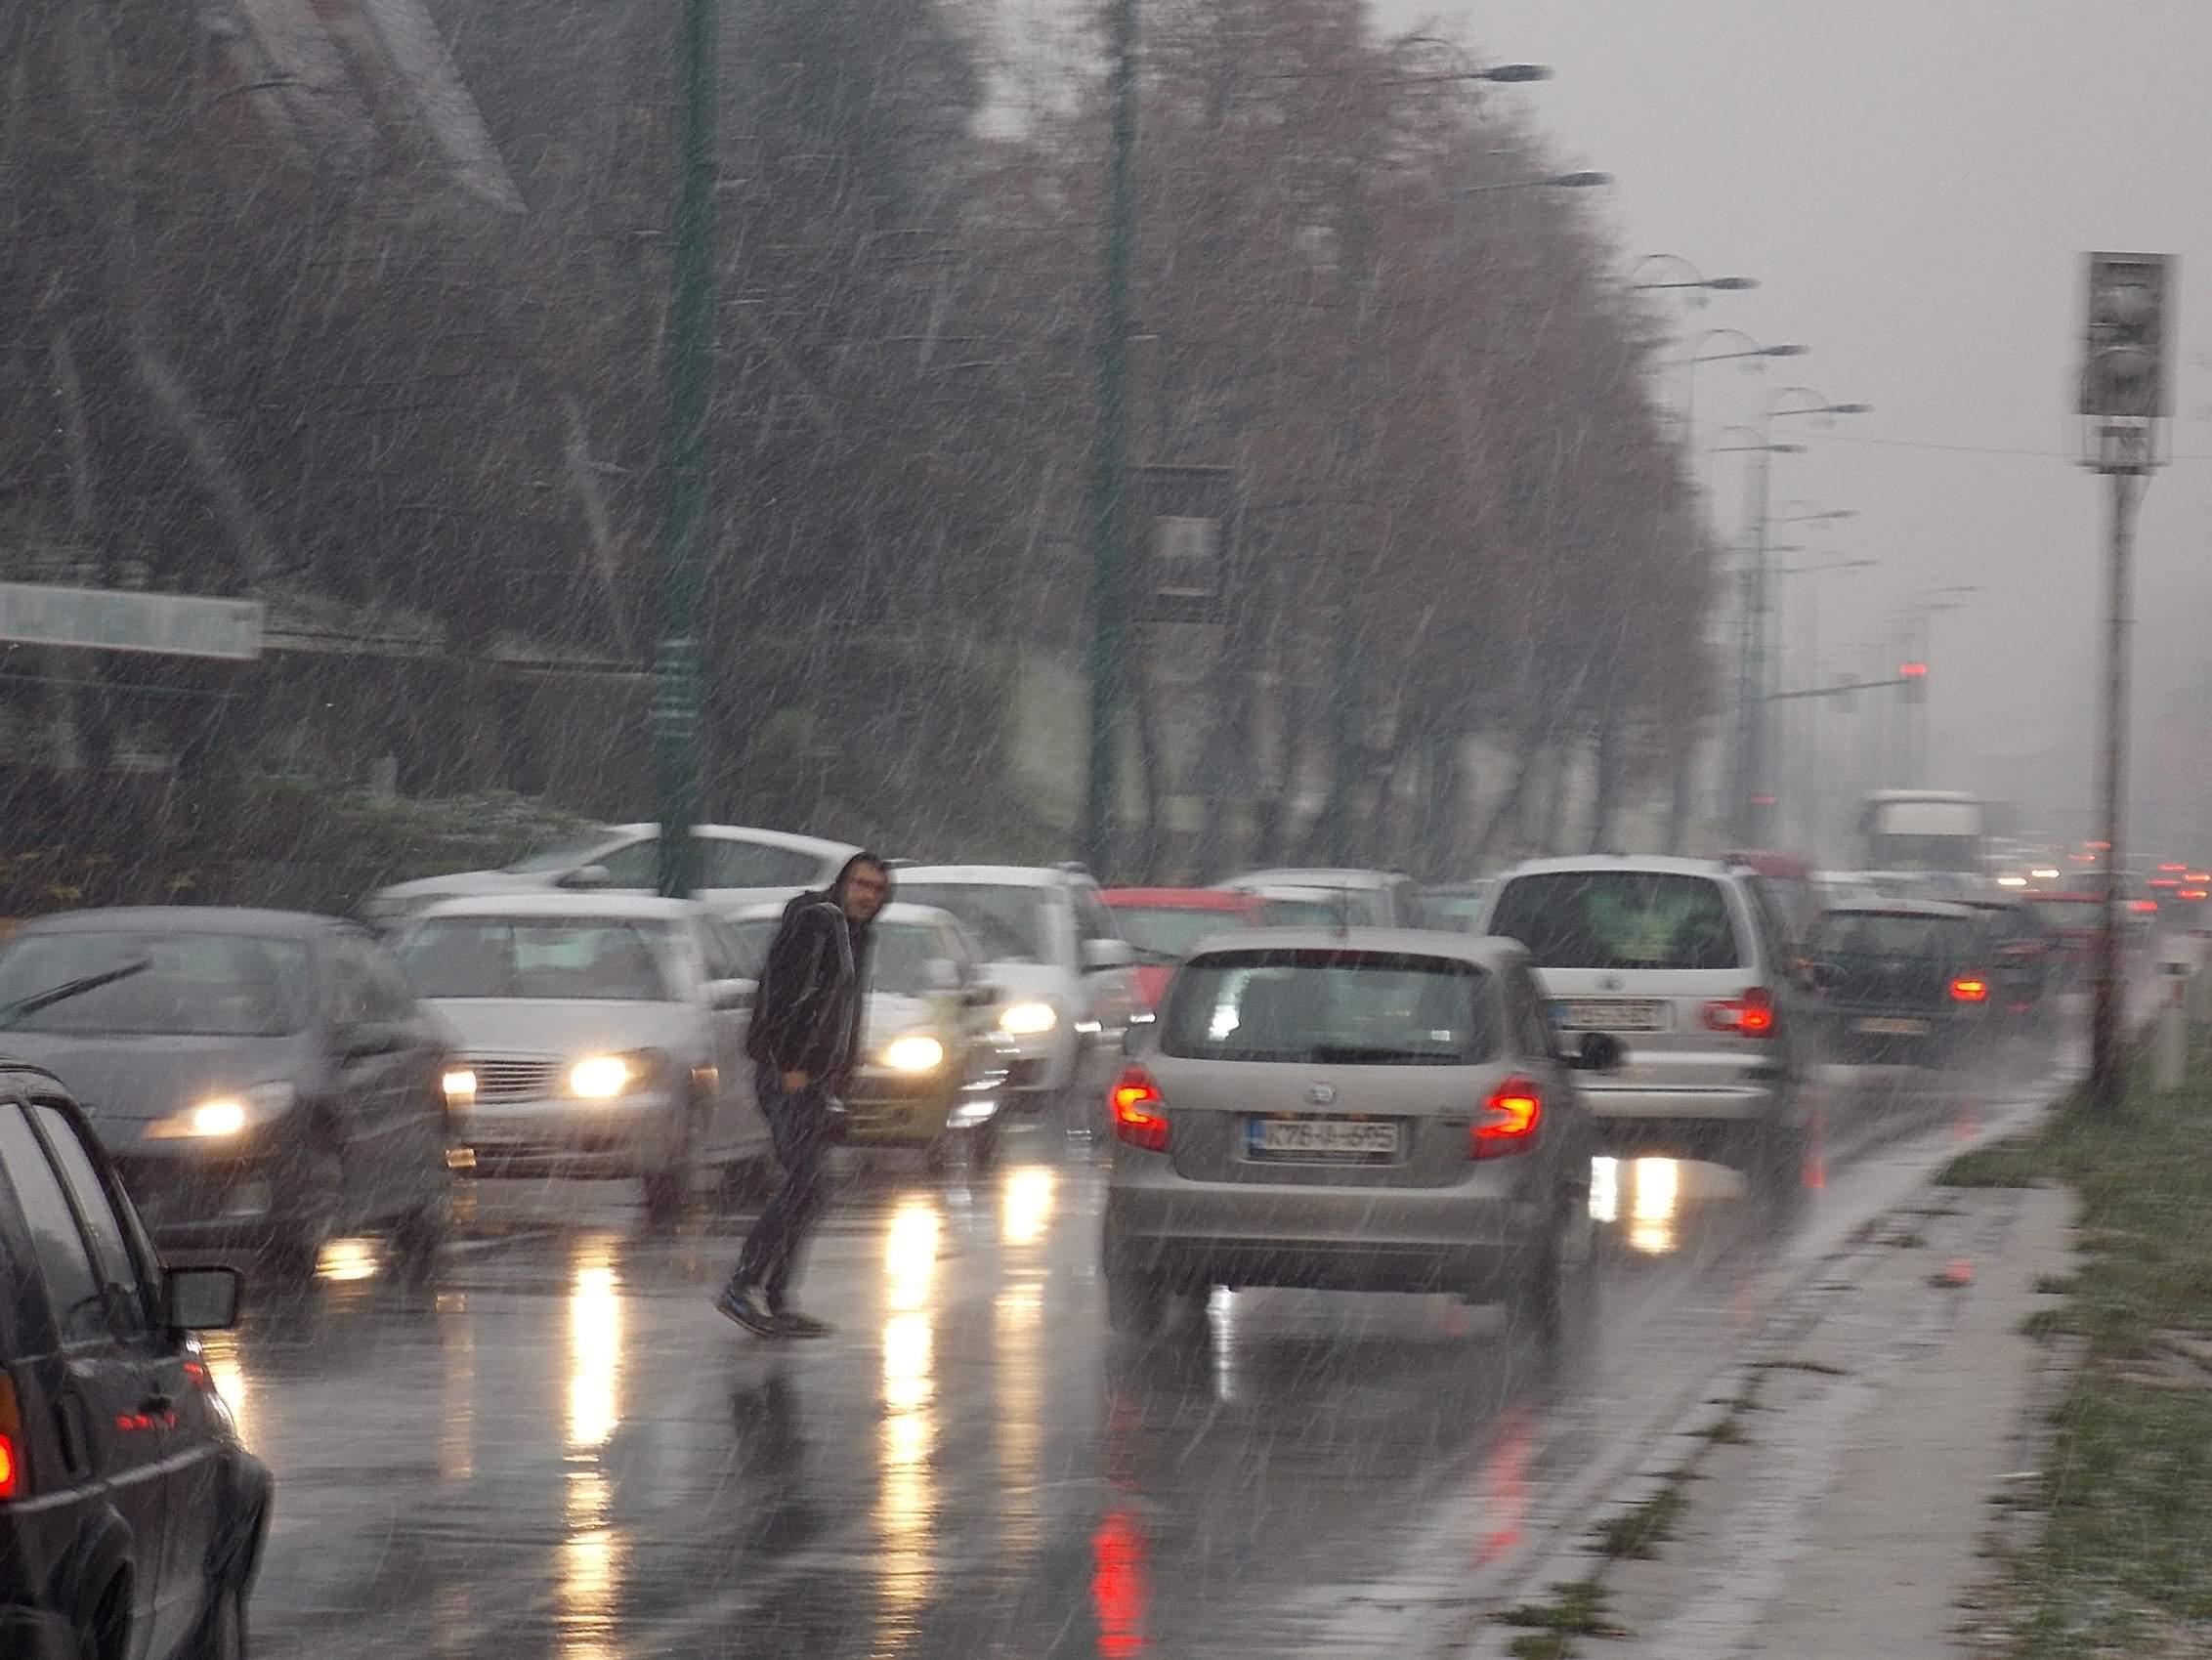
<point x="1915" y="677"/>
<point x="2123" y="369"/>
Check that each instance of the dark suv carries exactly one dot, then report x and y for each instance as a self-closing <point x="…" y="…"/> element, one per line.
<point x="130" y="1520"/>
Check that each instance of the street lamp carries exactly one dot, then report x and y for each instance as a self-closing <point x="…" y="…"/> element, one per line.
<point x="1809" y="716"/>
<point x="1549" y="181"/>
<point x="1752" y="672"/>
<point x="1690" y="277"/>
<point x="1752" y="355"/>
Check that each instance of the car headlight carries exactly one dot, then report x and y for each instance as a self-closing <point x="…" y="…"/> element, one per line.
<point x="220" y="1116"/>
<point x="602" y="1078"/>
<point x="916" y="1051"/>
<point x="459" y="1084"/>
<point x="1028" y="1019"/>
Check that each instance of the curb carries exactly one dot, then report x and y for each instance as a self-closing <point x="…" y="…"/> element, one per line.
<point x="1801" y="1304"/>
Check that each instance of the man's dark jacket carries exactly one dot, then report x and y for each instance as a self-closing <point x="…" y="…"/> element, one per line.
<point x="806" y="1016"/>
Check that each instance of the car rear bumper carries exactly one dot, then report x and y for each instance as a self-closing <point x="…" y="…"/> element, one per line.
<point x="632" y="1136"/>
<point x="1346" y="1238"/>
<point x="1716" y="1103"/>
<point x="32" y="1634"/>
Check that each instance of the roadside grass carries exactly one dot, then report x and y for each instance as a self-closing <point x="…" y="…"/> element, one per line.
<point x="2126" y="1551"/>
<point x="1577" y="1609"/>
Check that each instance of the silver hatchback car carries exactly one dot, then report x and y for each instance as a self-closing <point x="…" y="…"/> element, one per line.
<point x="1375" y="1109"/>
<point x="1687" y="965"/>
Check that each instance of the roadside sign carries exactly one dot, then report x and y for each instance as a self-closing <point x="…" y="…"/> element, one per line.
<point x="112" y="619"/>
<point x="1185" y="543"/>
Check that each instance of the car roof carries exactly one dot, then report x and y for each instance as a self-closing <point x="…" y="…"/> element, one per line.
<point x="1483" y="951"/>
<point x="1652" y="864"/>
<point x="182" y="919"/>
<point x="1316" y="875"/>
<point x="1184" y="898"/>
<point x="1001" y="875"/>
<point x="898" y="912"/>
<point x="1934" y="907"/>
<point x="791" y="839"/>
<point x="621" y="907"/>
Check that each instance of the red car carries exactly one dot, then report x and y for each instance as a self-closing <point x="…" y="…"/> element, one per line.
<point x="1163" y="923"/>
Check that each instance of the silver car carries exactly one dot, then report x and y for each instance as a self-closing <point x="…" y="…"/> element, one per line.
<point x="1685" y="961"/>
<point x="1378" y="1110"/>
<point x="734" y="864"/>
<point x="597" y="1037"/>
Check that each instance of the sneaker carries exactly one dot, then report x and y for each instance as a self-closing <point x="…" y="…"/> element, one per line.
<point x="748" y="1308"/>
<point x="790" y="1323"/>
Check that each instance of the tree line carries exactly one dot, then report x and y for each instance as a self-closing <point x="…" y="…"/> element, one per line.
<point x="286" y="315"/>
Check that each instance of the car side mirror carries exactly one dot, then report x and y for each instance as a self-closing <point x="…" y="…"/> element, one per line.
<point x="200" y="1299"/>
<point x="1599" y="1051"/>
<point x="587" y="877"/>
<point x="730" y="994"/>
<point x="1099" y="956"/>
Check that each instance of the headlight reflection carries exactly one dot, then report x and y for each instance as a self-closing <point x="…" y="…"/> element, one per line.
<point x="1657" y="1189"/>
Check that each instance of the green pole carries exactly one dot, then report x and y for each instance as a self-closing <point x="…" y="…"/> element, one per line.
<point x="1110" y="462"/>
<point x="676" y="709"/>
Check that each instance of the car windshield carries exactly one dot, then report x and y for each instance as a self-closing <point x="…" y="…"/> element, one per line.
<point x="1166" y="933"/>
<point x="195" y="985"/>
<point x="610" y="960"/>
<point x="2066" y="913"/>
<point x="1846" y="935"/>
<point x="565" y="856"/>
<point x="899" y="956"/>
<point x="1618" y="920"/>
<point x="1006" y="918"/>
<point x="1374" y="1008"/>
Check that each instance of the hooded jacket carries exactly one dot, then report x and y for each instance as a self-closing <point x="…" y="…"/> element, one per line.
<point x="806" y="1014"/>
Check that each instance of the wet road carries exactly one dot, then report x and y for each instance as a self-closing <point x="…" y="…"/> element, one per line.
<point x="555" y="1448"/>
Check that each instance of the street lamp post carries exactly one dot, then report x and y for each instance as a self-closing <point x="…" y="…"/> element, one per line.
<point x="1809" y="720"/>
<point x="1752" y="736"/>
<point x="1753" y="354"/>
<point x="678" y="669"/>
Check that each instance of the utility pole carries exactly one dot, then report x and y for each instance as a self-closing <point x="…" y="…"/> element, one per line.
<point x="676" y="705"/>
<point x="2125" y="396"/>
<point x="1110" y="464"/>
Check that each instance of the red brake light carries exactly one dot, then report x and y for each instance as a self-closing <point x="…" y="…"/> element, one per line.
<point x="1968" y="987"/>
<point x="1508" y="1120"/>
<point x="1750" y="1015"/>
<point x="11" y="1457"/>
<point x="1138" y="1118"/>
<point x="2144" y="907"/>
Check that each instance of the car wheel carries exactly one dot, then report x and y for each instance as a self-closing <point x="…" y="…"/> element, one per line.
<point x="322" y="1190"/>
<point x="222" y="1634"/>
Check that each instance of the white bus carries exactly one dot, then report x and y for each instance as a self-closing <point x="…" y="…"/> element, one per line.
<point x="1924" y="831"/>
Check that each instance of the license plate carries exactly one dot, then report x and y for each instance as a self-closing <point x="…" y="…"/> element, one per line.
<point x="1884" y="1026"/>
<point x="1319" y="1138"/>
<point x="1612" y="1014"/>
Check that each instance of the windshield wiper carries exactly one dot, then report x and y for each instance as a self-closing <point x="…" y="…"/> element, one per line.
<point x="68" y="989"/>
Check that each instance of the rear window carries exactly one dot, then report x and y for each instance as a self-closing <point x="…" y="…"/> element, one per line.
<point x="1166" y="933"/>
<point x="1371" y="1008"/>
<point x="1621" y="919"/>
<point x="1851" y="934"/>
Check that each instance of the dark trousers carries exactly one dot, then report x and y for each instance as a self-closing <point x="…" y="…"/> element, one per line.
<point x="800" y="1125"/>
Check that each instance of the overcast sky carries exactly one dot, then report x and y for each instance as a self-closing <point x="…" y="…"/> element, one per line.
<point x="1913" y="184"/>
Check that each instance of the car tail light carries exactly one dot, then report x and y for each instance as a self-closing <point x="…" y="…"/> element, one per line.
<point x="2144" y="907"/>
<point x="1750" y="1015"/>
<point x="10" y="1441"/>
<point x="1970" y="988"/>
<point x="1508" y="1120"/>
<point x="1139" y="1116"/>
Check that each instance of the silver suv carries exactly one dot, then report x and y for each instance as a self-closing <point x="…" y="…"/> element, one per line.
<point x="1685" y="961"/>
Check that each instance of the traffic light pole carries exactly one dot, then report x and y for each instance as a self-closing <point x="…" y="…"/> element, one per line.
<point x="2104" y="1026"/>
<point x="676" y="707"/>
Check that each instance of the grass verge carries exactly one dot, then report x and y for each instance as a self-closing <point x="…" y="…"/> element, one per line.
<point x="2125" y="1560"/>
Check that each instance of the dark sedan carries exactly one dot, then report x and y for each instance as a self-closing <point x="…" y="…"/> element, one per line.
<point x="262" y="1078"/>
<point x="1904" y="983"/>
<point x="130" y="1520"/>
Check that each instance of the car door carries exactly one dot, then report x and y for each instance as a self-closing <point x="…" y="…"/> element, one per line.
<point x="737" y="1123"/>
<point x="422" y="1133"/>
<point x="107" y="1396"/>
<point x="1109" y="995"/>
<point x="191" y="1475"/>
<point x="380" y="1095"/>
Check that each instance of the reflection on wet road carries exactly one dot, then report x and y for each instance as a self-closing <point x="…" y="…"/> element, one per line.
<point x="555" y="1448"/>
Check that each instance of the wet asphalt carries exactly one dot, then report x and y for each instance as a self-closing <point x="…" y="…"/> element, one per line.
<point x="550" y="1445"/>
